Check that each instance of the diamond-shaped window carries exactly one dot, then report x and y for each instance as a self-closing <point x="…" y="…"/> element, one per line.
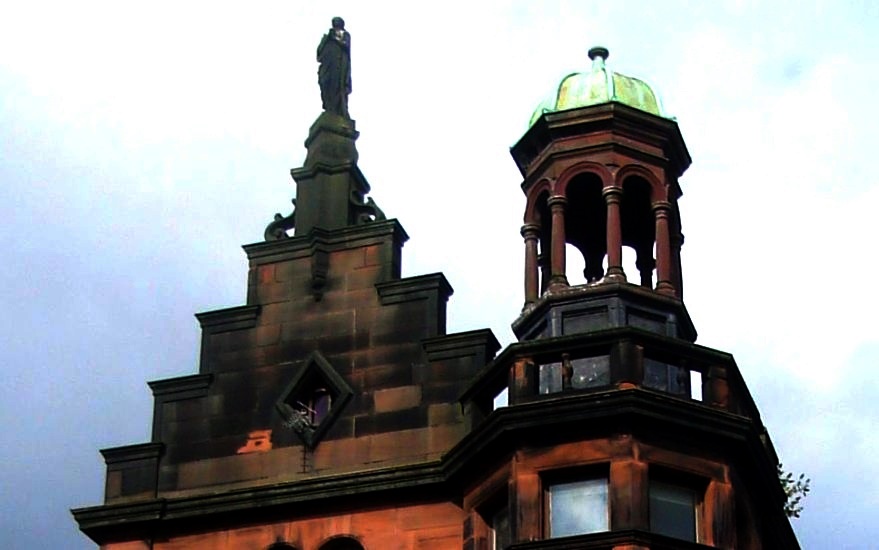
<point x="313" y="399"/>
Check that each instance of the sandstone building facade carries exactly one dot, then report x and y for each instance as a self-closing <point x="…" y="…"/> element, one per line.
<point x="333" y="410"/>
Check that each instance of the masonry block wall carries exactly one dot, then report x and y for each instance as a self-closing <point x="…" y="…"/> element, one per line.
<point x="338" y="294"/>
<point x="433" y="526"/>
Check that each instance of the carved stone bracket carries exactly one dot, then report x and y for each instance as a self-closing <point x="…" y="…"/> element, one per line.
<point x="364" y="211"/>
<point x="277" y="229"/>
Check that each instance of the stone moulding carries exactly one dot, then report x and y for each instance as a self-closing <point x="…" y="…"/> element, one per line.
<point x="132" y="471"/>
<point x="433" y="287"/>
<point x="224" y="320"/>
<point x="176" y="389"/>
<point x="631" y="538"/>
<point x="502" y="431"/>
<point x="128" y="453"/>
<point x="414" y="288"/>
<point x="181" y="387"/>
<point x="227" y="320"/>
<point x="625" y="126"/>
<point x="339" y="239"/>
<point x="481" y="343"/>
<point x="606" y="305"/>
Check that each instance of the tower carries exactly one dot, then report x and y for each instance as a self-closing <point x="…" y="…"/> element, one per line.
<point x="622" y="432"/>
<point x="332" y="411"/>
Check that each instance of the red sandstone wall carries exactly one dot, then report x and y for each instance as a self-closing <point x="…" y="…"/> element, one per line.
<point x="419" y="527"/>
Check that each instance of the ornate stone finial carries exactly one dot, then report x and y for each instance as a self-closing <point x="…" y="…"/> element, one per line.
<point x="334" y="74"/>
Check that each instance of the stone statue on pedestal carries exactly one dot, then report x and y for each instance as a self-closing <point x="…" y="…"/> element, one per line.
<point x="330" y="188"/>
<point x="334" y="74"/>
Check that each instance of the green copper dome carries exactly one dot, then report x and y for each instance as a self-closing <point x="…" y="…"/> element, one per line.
<point x="599" y="86"/>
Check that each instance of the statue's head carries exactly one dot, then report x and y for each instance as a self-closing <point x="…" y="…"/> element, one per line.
<point x="338" y="23"/>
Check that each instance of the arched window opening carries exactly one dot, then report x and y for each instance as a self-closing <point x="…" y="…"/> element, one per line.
<point x="586" y="227"/>
<point x="575" y="271"/>
<point x="342" y="543"/>
<point x="638" y="231"/>
<point x="630" y="264"/>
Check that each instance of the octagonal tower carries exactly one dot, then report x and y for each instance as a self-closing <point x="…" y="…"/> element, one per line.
<point x="609" y="427"/>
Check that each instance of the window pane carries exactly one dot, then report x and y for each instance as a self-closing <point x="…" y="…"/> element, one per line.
<point x="665" y="377"/>
<point x="678" y="380"/>
<point x="320" y="405"/>
<point x="673" y="511"/>
<point x="591" y="372"/>
<point x="550" y="378"/>
<point x="655" y="374"/>
<point x="500" y="526"/>
<point x="578" y="508"/>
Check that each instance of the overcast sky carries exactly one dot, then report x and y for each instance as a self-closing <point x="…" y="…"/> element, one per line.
<point x="142" y="143"/>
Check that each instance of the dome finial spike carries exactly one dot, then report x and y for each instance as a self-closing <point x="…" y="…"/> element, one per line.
<point x="598" y="51"/>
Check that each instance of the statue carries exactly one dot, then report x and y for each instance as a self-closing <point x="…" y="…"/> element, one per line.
<point x="334" y="74"/>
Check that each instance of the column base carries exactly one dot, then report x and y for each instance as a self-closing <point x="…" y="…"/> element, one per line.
<point x="558" y="282"/>
<point x="665" y="287"/>
<point x="615" y="274"/>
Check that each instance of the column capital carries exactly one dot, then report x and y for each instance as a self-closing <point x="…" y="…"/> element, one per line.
<point x="557" y="201"/>
<point x="530" y="230"/>
<point x="663" y="207"/>
<point x="612" y="193"/>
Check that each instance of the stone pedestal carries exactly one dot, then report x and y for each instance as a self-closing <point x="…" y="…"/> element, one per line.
<point x="330" y="189"/>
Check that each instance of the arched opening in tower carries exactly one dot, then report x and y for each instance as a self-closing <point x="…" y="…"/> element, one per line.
<point x="576" y="266"/>
<point x="638" y="231"/>
<point x="586" y="227"/>
<point x="342" y="543"/>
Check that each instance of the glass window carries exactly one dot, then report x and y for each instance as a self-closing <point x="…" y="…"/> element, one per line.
<point x="665" y="377"/>
<point x="673" y="510"/>
<point x="550" y="378"/>
<point x="577" y="374"/>
<point x="578" y="507"/>
<point x="591" y="372"/>
<point x="319" y="405"/>
<point x="500" y="529"/>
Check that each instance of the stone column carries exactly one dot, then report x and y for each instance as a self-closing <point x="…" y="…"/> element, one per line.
<point x="664" y="283"/>
<point x="530" y="232"/>
<point x="557" y="256"/>
<point x="612" y="196"/>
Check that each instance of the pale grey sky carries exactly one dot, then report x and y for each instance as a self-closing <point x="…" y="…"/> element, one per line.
<point x="142" y="143"/>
